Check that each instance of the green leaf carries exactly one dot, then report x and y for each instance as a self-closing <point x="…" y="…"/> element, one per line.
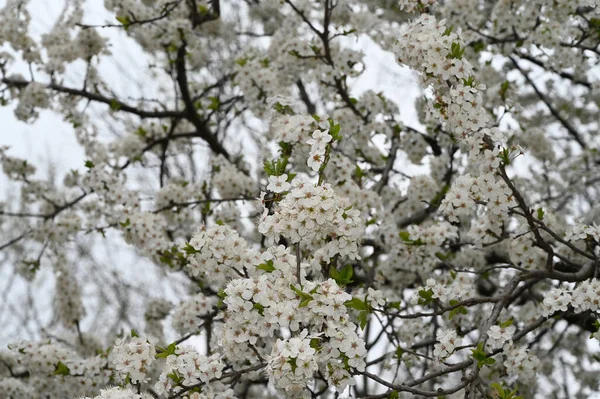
<point x="455" y="311"/>
<point x="141" y="132"/>
<point x="188" y="249"/>
<point x="89" y="164"/>
<point x="478" y="46"/>
<point x="334" y="131"/>
<point x="405" y="236"/>
<point x="124" y="20"/>
<point x="399" y="352"/>
<point x="268" y="267"/>
<point x="115" y="105"/>
<point x="504" y="89"/>
<point x="469" y="81"/>
<point x="175" y="377"/>
<point x="134" y="334"/>
<point x="315" y="343"/>
<point x="304" y="297"/>
<point x="164" y="353"/>
<point x="393" y="395"/>
<point x="292" y="362"/>
<point x="540" y="214"/>
<point x="456" y="51"/>
<point x="276" y="167"/>
<point x="259" y="307"/>
<point x="214" y="103"/>
<point x="507" y="323"/>
<point x="356" y="303"/>
<point x="363" y="318"/>
<point x="61" y="369"/>
<point x="304" y="302"/>
<point x="426" y="297"/>
<point x="344" y="276"/>
<point x="481" y="357"/>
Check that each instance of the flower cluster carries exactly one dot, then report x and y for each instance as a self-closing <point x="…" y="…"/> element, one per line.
<point x="454" y="289"/>
<point x="468" y="191"/>
<point x="318" y="143"/>
<point x="415" y="5"/>
<point x="68" y="295"/>
<point x="447" y="341"/>
<point x="581" y="232"/>
<point x="229" y="181"/>
<point x="292" y="363"/>
<point x="312" y="213"/>
<point x="218" y="254"/>
<point x="522" y="363"/>
<point x="32" y="98"/>
<point x="120" y="393"/>
<point x="132" y="357"/>
<point x="279" y="184"/>
<point x="187" y="316"/>
<point x="499" y="336"/>
<point x="187" y="367"/>
<point x="258" y="308"/>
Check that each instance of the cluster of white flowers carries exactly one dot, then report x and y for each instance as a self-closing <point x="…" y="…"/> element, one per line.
<point x="581" y="232"/>
<point x="415" y="5"/>
<point x="33" y="97"/>
<point x="188" y="315"/>
<point x="523" y="253"/>
<point x="132" y="357"/>
<point x="67" y="296"/>
<point x="279" y="184"/>
<point x="468" y="191"/>
<point x="584" y="297"/>
<point x="15" y="168"/>
<point x="258" y="80"/>
<point x="292" y="128"/>
<point x="229" y="181"/>
<point x="257" y="308"/>
<point x="146" y="231"/>
<point x="499" y="336"/>
<point x="59" y="230"/>
<point x="78" y="376"/>
<point x="311" y="213"/>
<point x="61" y="49"/>
<point x="14" y="388"/>
<point x="434" y="235"/>
<point x="555" y="300"/>
<point x="156" y="311"/>
<point x="318" y="143"/>
<point x="219" y="254"/>
<point x="170" y="200"/>
<point x="41" y="358"/>
<point x="458" y="288"/>
<point x="292" y="363"/>
<point x="110" y="187"/>
<point x="437" y="51"/>
<point x="187" y="367"/>
<point x="447" y="341"/>
<point x="522" y="363"/>
<point x="120" y="393"/>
